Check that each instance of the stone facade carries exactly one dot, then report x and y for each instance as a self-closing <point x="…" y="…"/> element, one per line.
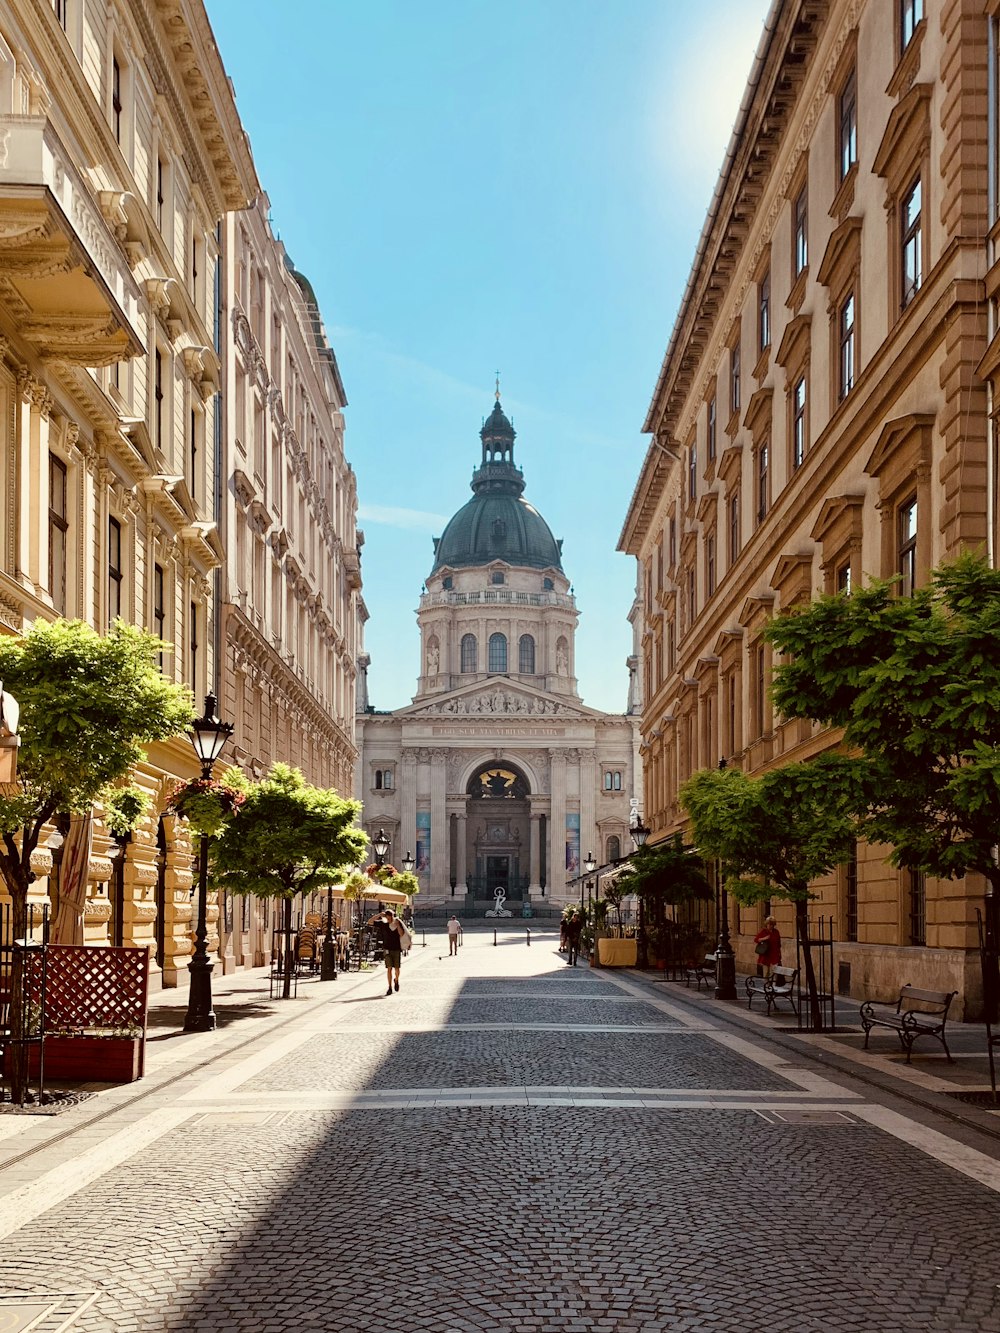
<point x="498" y="775"/>
<point x="823" y="414"/>
<point x="292" y="577"/>
<point x="129" y="339"/>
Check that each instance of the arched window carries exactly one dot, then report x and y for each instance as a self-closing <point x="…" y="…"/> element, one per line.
<point x="469" y="654"/>
<point x="498" y="652"/>
<point x="378" y="779"/>
<point x="526" y="655"/>
<point x="548" y="585"/>
<point x="497" y="576"/>
<point x="614" y="848"/>
<point x="387" y="779"/>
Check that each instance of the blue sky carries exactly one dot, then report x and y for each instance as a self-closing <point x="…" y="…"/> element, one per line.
<point x="472" y="186"/>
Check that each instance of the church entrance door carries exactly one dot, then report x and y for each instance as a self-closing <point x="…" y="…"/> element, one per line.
<point x="498" y="872"/>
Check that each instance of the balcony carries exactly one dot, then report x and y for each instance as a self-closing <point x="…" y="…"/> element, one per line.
<point x="63" y="273"/>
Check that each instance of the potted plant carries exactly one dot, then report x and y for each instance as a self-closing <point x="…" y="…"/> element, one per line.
<point x="208" y="803"/>
<point x="92" y="1055"/>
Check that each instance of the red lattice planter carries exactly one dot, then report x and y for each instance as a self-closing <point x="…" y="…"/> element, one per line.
<point x="95" y="1013"/>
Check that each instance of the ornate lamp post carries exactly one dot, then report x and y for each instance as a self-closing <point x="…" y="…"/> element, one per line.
<point x="725" y="959"/>
<point x="640" y="833"/>
<point x="208" y="736"/>
<point x="380" y="846"/>
<point x="589" y="866"/>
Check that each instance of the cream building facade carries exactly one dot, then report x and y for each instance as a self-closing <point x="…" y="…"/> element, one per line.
<point x="498" y="776"/>
<point x="292" y="577"/>
<point x="122" y="164"/>
<point x="823" y="414"/>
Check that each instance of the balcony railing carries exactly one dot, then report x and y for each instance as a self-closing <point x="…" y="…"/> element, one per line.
<point x="492" y="596"/>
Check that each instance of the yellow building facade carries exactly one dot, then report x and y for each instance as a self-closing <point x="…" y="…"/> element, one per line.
<point x="122" y="165"/>
<point x="823" y="414"/>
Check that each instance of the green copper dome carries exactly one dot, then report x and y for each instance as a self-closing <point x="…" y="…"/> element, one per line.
<point x="497" y="523"/>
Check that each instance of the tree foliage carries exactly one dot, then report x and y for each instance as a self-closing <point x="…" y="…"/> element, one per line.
<point x="776" y="833"/>
<point x="915" y="684"/>
<point x="89" y="704"/>
<point x="665" y="873"/>
<point x="287" y="837"/>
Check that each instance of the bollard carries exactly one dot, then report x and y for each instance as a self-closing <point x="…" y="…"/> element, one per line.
<point x="528" y="929"/>
<point x="494" y="937"/>
<point x="423" y="939"/>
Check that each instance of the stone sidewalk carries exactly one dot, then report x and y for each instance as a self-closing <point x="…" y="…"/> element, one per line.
<point x="506" y="1144"/>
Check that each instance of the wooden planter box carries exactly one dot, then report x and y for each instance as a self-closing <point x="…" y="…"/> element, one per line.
<point x="91" y="1059"/>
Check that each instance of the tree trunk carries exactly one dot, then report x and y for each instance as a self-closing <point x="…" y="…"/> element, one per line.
<point x="802" y="925"/>
<point x="286" y="990"/>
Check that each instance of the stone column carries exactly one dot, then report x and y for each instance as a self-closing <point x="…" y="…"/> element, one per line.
<point x="590" y="838"/>
<point x="408" y="801"/>
<point x="557" y="826"/>
<point x="535" y="855"/>
<point x="461" y="852"/>
<point x="439" y="823"/>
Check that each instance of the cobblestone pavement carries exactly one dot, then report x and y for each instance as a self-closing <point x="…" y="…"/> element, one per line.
<point x="436" y="1162"/>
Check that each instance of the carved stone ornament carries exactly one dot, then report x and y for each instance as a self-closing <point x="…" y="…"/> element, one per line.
<point x="500" y="702"/>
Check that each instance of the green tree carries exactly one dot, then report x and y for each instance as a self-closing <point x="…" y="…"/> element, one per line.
<point x="663" y="875"/>
<point x="915" y="684"/>
<point x="90" y="703"/>
<point x="776" y="833"/>
<point x="286" y="838"/>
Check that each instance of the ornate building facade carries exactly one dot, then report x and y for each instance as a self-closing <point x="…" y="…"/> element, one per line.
<point x="130" y="344"/>
<point x="498" y="776"/>
<point x="292" y="577"/>
<point x="823" y="413"/>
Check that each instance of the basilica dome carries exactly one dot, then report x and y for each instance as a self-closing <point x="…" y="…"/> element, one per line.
<point x="497" y="523"/>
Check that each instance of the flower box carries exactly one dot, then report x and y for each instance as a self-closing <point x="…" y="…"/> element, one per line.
<point x="91" y="1059"/>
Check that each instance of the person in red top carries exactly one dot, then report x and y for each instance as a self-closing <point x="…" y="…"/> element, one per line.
<point x="771" y="955"/>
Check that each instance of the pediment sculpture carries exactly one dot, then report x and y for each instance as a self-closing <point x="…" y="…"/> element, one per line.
<point x="500" y="702"/>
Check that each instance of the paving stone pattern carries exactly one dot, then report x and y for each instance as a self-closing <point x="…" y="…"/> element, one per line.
<point x="513" y="1218"/>
<point x="540" y="1218"/>
<point x="373" y="1060"/>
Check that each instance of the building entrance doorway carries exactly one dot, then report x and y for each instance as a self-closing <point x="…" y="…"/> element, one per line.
<point x="498" y="872"/>
<point x="498" y="825"/>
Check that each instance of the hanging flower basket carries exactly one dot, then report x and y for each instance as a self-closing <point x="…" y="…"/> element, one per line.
<point x="206" y="804"/>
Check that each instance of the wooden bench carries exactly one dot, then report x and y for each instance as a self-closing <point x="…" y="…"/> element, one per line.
<point x="918" y="1013"/>
<point x="780" y="985"/>
<point x="703" y="974"/>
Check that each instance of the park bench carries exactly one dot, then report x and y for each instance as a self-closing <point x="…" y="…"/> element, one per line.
<point x="918" y="1013"/>
<point x="780" y="985"/>
<point x="703" y="974"/>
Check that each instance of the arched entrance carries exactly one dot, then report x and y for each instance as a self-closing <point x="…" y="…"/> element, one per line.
<point x="498" y="831"/>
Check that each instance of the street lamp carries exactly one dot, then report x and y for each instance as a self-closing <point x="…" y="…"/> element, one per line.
<point x="640" y="833"/>
<point x="408" y="863"/>
<point x="725" y="959"/>
<point x="208" y="736"/>
<point x="589" y="866"/>
<point x="380" y="846"/>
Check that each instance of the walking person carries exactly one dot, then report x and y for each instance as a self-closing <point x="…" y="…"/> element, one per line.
<point x="454" y="931"/>
<point x="767" y="946"/>
<point x="574" y="928"/>
<point x="390" y="933"/>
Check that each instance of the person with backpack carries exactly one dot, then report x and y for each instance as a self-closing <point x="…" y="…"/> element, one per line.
<point x="394" y="939"/>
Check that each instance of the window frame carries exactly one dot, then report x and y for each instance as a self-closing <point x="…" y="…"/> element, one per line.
<point x="800" y="232"/>
<point x="762" y="480"/>
<point x="911" y="238"/>
<point x="526" y="659"/>
<point x="911" y="13"/>
<point x="495" y="656"/>
<point x="799" y="431"/>
<point x="59" y="545"/>
<point x="906" y="543"/>
<point x="712" y="429"/>
<point x="847" y="126"/>
<point x="764" y="313"/>
<point x="847" y="343"/>
<point x="116" y="572"/>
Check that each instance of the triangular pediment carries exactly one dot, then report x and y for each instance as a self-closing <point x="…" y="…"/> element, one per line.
<point x="499" y="699"/>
